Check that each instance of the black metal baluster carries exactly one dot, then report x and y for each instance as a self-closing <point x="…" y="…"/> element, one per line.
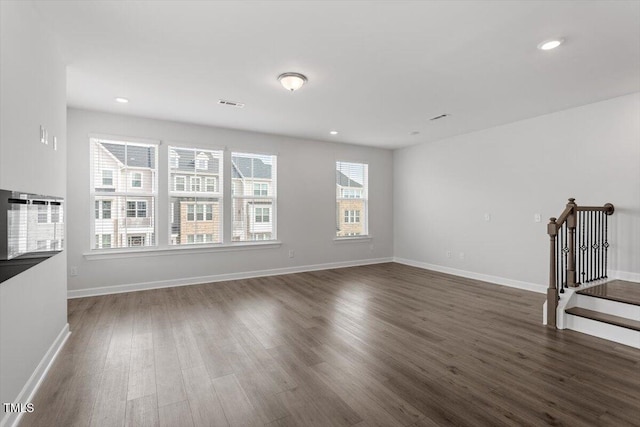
<point x="590" y="250"/>
<point x="606" y="243"/>
<point x="582" y="221"/>
<point x="603" y="273"/>
<point x="578" y="279"/>
<point x="559" y="263"/>
<point x="597" y="245"/>
<point x="564" y="251"/>
<point x="598" y="231"/>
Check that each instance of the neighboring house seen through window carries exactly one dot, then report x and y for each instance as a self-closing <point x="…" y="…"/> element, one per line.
<point x="351" y="199"/>
<point x="123" y="192"/>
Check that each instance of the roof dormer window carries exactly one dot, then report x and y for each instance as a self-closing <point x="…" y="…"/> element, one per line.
<point x="174" y="159"/>
<point x="202" y="162"/>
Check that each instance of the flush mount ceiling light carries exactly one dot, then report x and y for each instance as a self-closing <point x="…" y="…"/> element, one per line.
<point x="550" y="44"/>
<point x="122" y="100"/>
<point x="292" y="81"/>
<point x="333" y="132"/>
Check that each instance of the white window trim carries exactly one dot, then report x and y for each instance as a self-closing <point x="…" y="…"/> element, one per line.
<point x="192" y="180"/>
<point x="150" y="251"/>
<point x="364" y="197"/>
<point x="133" y="178"/>
<point x="152" y="193"/>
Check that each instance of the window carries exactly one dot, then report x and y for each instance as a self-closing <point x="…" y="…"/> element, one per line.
<point x="262" y="215"/>
<point x="136" y="180"/>
<point x="107" y="178"/>
<point x="195" y="183"/>
<point x="179" y="183"/>
<point x="202" y="161"/>
<point x="351" y="199"/>
<point x="103" y="241"/>
<point x="55" y="214"/>
<point x="351" y="193"/>
<point x="253" y="196"/>
<point x="43" y="214"/>
<point x="210" y="185"/>
<point x="260" y="189"/>
<point x="351" y="216"/>
<point x="135" y="240"/>
<point x="198" y="201"/>
<point x="131" y="220"/>
<point x="136" y="209"/>
<point x="200" y="212"/>
<point x="174" y="159"/>
<point x="103" y="209"/>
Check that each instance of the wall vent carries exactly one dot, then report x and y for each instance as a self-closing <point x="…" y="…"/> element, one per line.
<point x="441" y="116"/>
<point x="231" y="103"/>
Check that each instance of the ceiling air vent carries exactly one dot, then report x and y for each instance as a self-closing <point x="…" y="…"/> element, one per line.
<point x="231" y="103"/>
<point x="441" y="116"/>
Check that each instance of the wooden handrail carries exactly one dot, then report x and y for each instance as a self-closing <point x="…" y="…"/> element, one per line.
<point x="567" y="255"/>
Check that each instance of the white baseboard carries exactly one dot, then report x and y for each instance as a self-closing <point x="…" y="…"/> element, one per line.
<point x="626" y="275"/>
<point x="29" y="390"/>
<point x="477" y="276"/>
<point x="132" y="287"/>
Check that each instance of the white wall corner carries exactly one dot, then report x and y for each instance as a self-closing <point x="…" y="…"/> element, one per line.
<point x="533" y="287"/>
<point x="29" y="390"/>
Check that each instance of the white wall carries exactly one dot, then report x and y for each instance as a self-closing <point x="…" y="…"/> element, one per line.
<point x="33" y="310"/>
<point x="442" y="190"/>
<point x="306" y="204"/>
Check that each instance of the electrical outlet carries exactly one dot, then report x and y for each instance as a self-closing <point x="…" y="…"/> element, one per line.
<point x="73" y="271"/>
<point x="448" y="254"/>
<point x="371" y="247"/>
<point x="292" y="253"/>
<point x="461" y="255"/>
<point x="537" y="217"/>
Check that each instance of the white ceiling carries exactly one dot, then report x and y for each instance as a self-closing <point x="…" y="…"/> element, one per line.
<point x="377" y="69"/>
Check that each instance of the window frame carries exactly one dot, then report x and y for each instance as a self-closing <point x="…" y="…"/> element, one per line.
<point x="135" y="179"/>
<point x="152" y="196"/>
<point x="149" y="192"/>
<point x="348" y="195"/>
<point x="249" y="200"/>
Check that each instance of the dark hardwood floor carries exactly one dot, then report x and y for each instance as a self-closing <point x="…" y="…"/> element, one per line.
<point x="383" y="345"/>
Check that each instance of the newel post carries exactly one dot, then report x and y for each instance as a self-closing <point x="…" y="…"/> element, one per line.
<point x="572" y="221"/>
<point x="552" y="291"/>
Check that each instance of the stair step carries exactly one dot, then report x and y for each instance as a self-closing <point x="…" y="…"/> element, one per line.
<point x="616" y="290"/>
<point x="604" y="317"/>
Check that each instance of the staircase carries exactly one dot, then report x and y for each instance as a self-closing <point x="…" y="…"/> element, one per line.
<point x="580" y="295"/>
<point x="610" y="310"/>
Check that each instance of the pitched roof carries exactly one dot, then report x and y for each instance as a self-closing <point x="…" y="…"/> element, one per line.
<point x="187" y="161"/>
<point x="137" y="156"/>
<point x="250" y="167"/>
<point x="344" y="181"/>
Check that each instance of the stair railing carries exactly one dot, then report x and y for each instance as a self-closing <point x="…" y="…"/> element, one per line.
<point x="578" y="244"/>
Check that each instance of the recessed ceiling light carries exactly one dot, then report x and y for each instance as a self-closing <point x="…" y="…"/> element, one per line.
<point x="333" y="132"/>
<point x="550" y="44"/>
<point x="122" y="100"/>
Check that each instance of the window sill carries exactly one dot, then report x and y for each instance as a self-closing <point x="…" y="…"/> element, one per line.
<point x="187" y="249"/>
<point x="353" y="239"/>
